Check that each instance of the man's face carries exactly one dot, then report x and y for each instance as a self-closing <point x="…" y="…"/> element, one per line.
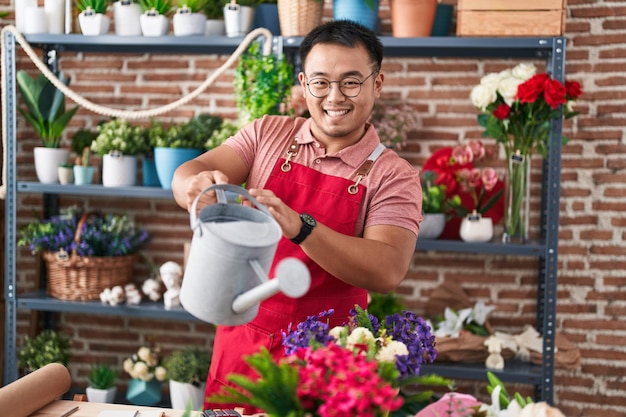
<point x="337" y="118"/>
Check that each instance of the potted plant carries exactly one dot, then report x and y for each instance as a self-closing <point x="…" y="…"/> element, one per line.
<point x="119" y="143"/>
<point x="189" y="19"/>
<point x="102" y="378"/>
<point x="238" y="17"/>
<point x="412" y="18"/>
<point x="81" y="145"/>
<point x="364" y="12"/>
<point x="180" y="143"/>
<point x="66" y="173"/>
<point x="393" y="121"/>
<point x="147" y="373"/>
<point x="214" y="12"/>
<point x="187" y="371"/>
<point x="434" y="206"/>
<point x="126" y="18"/>
<point x="85" y="252"/>
<point x="155" y="18"/>
<point x="47" y="347"/>
<point x="45" y="112"/>
<point x="92" y="19"/>
<point x="262" y="84"/>
<point x="218" y="136"/>
<point x="266" y="16"/>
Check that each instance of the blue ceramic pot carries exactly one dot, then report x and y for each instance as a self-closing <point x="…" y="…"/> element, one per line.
<point x="356" y="11"/>
<point x="146" y="393"/>
<point x="168" y="159"/>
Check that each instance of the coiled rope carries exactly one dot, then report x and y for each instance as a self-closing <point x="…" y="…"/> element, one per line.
<point x="108" y="111"/>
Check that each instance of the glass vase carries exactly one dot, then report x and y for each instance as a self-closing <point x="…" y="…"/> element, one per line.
<point x="517" y="199"/>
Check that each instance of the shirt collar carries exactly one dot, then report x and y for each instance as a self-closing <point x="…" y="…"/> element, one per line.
<point x="353" y="155"/>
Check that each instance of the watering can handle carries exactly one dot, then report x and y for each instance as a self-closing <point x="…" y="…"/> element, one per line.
<point x="221" y="199"/>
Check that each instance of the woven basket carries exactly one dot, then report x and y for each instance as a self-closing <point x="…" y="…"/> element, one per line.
<point x="74" y="277"/>
<point x="299" y="17"/>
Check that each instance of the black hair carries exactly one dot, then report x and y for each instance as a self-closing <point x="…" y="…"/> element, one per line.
<point x="346" y="33"/>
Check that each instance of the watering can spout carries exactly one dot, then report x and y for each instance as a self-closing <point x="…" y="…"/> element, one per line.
<point x="292" y="279"/>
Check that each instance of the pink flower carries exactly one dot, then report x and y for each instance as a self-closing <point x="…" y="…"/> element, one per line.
<point x="452" y="404"/>
<point x="489" y="178"/>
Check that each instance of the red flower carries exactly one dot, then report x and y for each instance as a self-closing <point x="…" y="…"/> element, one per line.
<point x="529" y="91"/>
<point x="502" y="111"/>
<point x="572" y="89"/>
<point x="554" y="93"/>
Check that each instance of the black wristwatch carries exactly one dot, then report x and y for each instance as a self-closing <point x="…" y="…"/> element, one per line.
<point x="308" y="223"/>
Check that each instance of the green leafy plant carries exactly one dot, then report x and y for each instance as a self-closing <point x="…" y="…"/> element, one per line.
<point x="102" y="376"/>
<point x="119" y="135"/>
<point x="163" y="7"/>
<point x="192" y="134"/>
<point x="220" y="135"/>
<point x="98" y="6"/>
<point x="45" y="107"/>
<point x="383" y="305"/>
<point x="214" y="9"/>
<point x="47" y="347"/>
<point x="81" y="145"/>
<point x="194" y="6"/>
<point x="188" y="366"/>
<point x="434" y="198"/>
<point x="262" y="84"/>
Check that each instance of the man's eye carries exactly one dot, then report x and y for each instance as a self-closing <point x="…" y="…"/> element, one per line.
<point x="319" y="83"/>
<point x="350" y="83"/>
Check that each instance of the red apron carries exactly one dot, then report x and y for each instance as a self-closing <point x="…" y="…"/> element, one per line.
<point x="327" y="199"/>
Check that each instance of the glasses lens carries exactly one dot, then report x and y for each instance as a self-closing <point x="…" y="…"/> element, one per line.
<point x="350" y="87"/>
<point x="319" y="87"/>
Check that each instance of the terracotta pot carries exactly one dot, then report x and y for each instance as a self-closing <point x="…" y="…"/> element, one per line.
<point x="412" y="18"/>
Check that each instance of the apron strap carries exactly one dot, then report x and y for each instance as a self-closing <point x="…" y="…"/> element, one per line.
<point x="291" y="152"/>
<point x="365" y="168"/>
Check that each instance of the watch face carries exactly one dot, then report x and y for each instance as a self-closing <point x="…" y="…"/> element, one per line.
<point x="308" y="219"/>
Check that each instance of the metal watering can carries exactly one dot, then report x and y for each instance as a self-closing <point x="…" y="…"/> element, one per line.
<point x="231" y="252"/>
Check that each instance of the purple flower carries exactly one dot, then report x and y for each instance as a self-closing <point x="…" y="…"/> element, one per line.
<point x="309" y="332"/>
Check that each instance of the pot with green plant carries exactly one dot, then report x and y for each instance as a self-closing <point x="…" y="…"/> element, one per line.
<point x="92" y="18"/>
<point x="119" y="143"/>
<point x="364" y="12"/>
<point x="155" y="18"/>
<point x="66" y="173"/>
<point x="189" y="18"/>
<point x="434" y="206"/>
<point x="45" y="112"/>
<point x="126" y="15"/>
<point x="187" y="371"/>
<point x="47" y="347"/>
<point x="238" y="17"/>
<point x="214" y="12"/>
<point x="102" y="378"/>
<point x="81" y="145"/>
<point x="179" y="143"/>
<point x="262" y="84"/>
<point x="266" y="16"/>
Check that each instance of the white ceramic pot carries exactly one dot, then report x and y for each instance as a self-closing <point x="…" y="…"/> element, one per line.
<point x="181" y="393"/>
<point x="55" y="16"/>
<point x="47" y="162"/>
<point x="475" y="228"/>
<point x="188" y="24"/>
<point x="215" y="27"/>
<point x="35" y="20"/>
<point x="94" y="24"/>
<point x="95" y="395"/>
<point x="238" y="19"/>
<point x="126" y="17"/>
<point x="119" y="170"/>
<point x="66" y="175"/>
<point x="154" y="24"/>
<point x="432" y="225"/>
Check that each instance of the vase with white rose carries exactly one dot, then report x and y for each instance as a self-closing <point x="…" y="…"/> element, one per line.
<point x="147" y="373"/>
<point x="516" y="108"/>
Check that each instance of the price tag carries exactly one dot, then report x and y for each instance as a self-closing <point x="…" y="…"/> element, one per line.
<point x="184" y="10"/>
<point x="473" y="217"/>
<point x="89" y="12"/>
<point x="517" y="158"/>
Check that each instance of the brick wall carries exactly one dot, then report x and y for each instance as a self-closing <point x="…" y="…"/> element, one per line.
<point x="592" y="255"/>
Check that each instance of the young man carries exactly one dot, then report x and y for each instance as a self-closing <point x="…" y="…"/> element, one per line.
<point x="349" y="208"/>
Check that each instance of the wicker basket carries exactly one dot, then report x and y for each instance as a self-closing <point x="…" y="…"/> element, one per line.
<point x="74" y="277"/>
<point x="299" y="17"/>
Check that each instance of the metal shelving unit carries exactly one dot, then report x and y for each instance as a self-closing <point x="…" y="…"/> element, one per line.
<point x="552" y="50"/>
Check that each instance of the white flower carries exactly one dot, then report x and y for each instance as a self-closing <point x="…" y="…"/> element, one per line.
<point x="482" y="96"/>
<point x="508" y="88"/>
<point x="480" y="312"/>
<point x="128" y="365"/>
<point x="336" y="332"/>
<point x="524" y="71"/>
<point x="392" y="349"/>
<point x="360" y="335"/>
<point x="140" y="370"/>
<point x="453" y="322"/>
<point x="144" y="354"/>
<point x="160" y="373"/>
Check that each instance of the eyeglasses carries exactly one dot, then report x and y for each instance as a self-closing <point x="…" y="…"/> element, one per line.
<point x="349" y="86"/>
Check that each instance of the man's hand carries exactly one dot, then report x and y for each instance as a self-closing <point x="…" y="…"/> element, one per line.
<point x="201" y="181"/>
<point x="287" y="218"/>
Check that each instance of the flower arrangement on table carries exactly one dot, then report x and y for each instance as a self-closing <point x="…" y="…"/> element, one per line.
<point x="355" y="369"/>
<point x="147" y="373"/>
<point x="516" y="107"/>
<point x="469" y="189"/>
<point x="393" y="121"/>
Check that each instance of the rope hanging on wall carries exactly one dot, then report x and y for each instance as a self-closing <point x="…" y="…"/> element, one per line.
<point x="112" y="112"/>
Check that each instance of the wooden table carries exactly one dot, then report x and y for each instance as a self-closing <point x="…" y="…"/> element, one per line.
<point x="86" y="409"/>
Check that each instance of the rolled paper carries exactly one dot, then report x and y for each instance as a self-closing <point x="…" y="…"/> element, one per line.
<point x="35" y="390"/>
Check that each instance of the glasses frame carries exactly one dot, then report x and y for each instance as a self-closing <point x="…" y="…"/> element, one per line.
<point x="308" y="85"/>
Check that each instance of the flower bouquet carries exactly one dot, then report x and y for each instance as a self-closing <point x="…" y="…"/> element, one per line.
<point x="516" y="108"/>
<point x="84" y="252"/>
<point x="356" y="369"/>
<point x="144" y="367"/>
